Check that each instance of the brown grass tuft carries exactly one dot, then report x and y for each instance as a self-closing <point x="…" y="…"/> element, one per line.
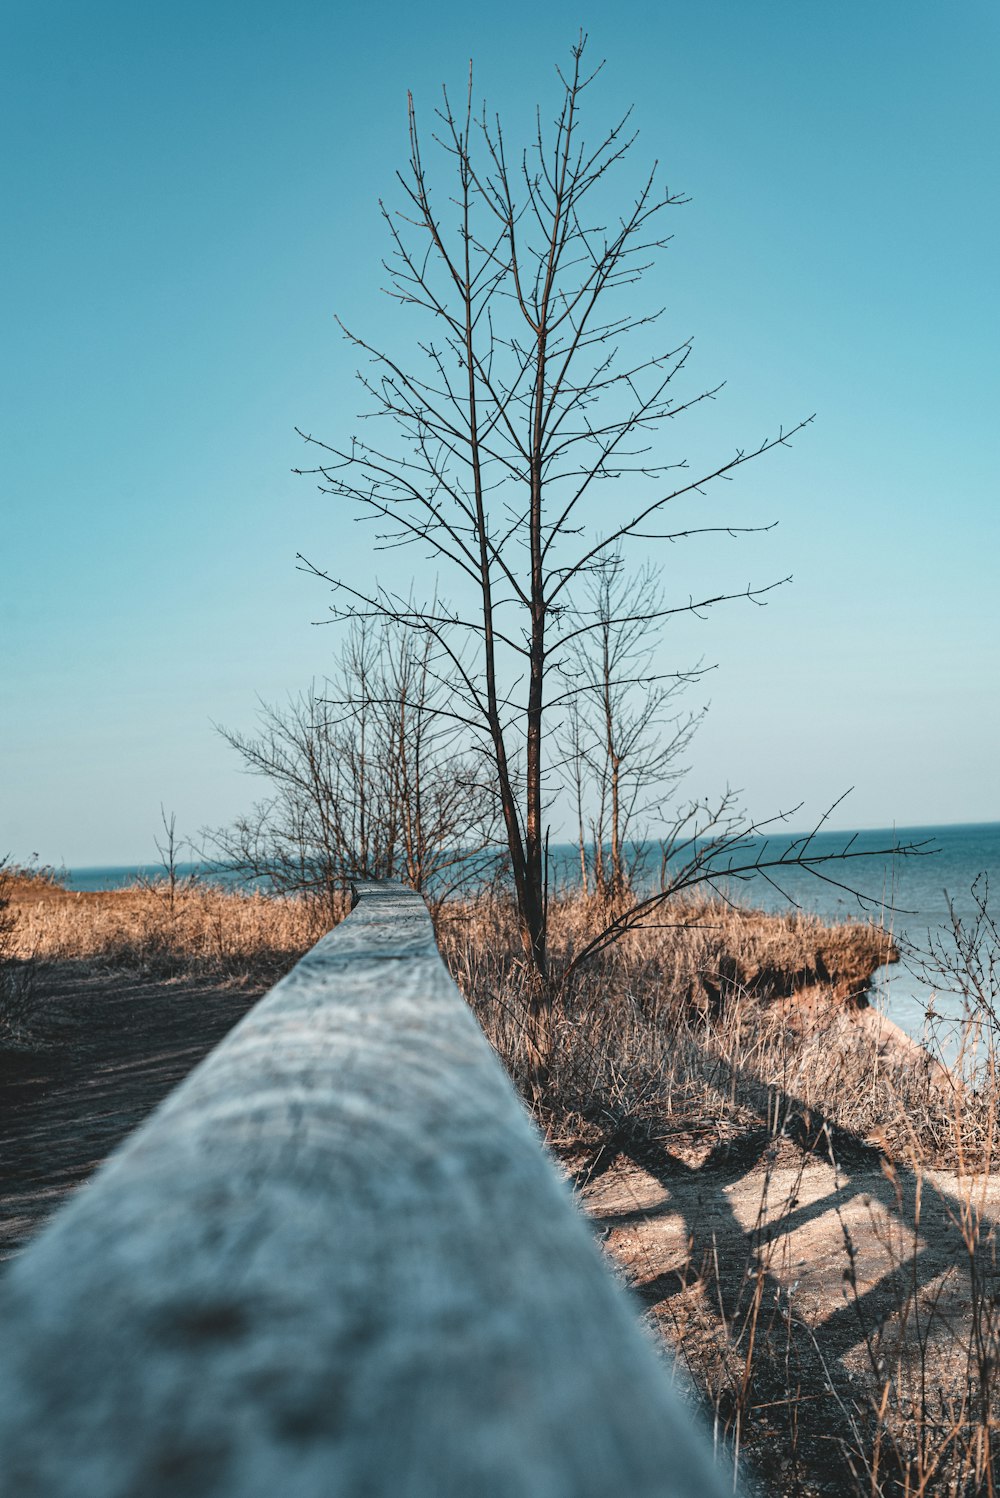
<point x="701" y="1022"/>
<point x="195" y="930"/>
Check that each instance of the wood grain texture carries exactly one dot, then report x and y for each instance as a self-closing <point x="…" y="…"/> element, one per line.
<point x="335" y="1261"/>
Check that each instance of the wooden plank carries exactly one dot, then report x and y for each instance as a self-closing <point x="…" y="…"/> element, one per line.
<point x="335" y="1261"/>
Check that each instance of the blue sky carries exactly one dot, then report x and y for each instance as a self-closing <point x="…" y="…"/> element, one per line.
<point x="191" y="194"/>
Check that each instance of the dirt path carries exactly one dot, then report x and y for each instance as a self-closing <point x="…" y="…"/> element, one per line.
<point x="832" y="1238"/>
<point x="111" y="1047"/>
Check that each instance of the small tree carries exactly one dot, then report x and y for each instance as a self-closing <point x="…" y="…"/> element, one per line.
<point x="625" y="733"/>
<point x="369" y="779"/>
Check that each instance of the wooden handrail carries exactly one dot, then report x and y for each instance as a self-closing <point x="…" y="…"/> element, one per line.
<point x="336" y="1261"/>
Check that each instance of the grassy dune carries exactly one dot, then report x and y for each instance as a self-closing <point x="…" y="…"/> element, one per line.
<point x="801" y="1197"/>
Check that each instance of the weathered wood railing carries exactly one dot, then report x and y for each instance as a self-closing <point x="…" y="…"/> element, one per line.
<point x="335" y="1262"/>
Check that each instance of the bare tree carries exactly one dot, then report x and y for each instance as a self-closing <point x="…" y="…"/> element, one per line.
<point x="369" y="778"/>
<point x="525" y="406"/>
<point x="517" y="445"/>
<point x="626" y="734"/>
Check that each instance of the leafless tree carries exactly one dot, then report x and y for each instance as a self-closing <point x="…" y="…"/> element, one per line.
<point x="625" y="731"/>
<point x="519" y="446"/>
<point x="369" y="779"/>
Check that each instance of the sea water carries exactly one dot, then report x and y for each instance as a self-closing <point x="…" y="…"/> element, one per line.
<point x="925" y="885"/>
<point x="120" y="875"/>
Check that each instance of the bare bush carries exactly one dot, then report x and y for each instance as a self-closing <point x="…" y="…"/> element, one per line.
<point x="369" y="779"/>
<point x="625" y="733"/>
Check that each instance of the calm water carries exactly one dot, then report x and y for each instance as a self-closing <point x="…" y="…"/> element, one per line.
<point x="116" y="876"/>
<point x="910" y="894"/>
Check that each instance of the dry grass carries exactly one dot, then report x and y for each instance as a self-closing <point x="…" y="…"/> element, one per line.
<point x="716" y="1050"/>
<point x="191" y="930"/>
<point x="710" y="1023"/>
<point x="726" y="1046"/>
<point x="18" y="967"/>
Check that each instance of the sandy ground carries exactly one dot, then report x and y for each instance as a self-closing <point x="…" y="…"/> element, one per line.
<point x="830" y="1239"/>
<point x="829" y="1278"/>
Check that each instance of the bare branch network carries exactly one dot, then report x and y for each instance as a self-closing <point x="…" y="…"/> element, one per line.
<point x="523" y="446"/>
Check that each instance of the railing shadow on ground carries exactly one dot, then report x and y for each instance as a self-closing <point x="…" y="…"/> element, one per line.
<point x="924" y="1230"/>
<point x="336" y="1260"/>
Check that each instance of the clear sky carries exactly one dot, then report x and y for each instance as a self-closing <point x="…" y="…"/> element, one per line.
<point x="190" y="194"/>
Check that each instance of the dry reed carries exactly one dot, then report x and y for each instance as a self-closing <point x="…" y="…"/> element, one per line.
<point x="712" y="1019"/>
